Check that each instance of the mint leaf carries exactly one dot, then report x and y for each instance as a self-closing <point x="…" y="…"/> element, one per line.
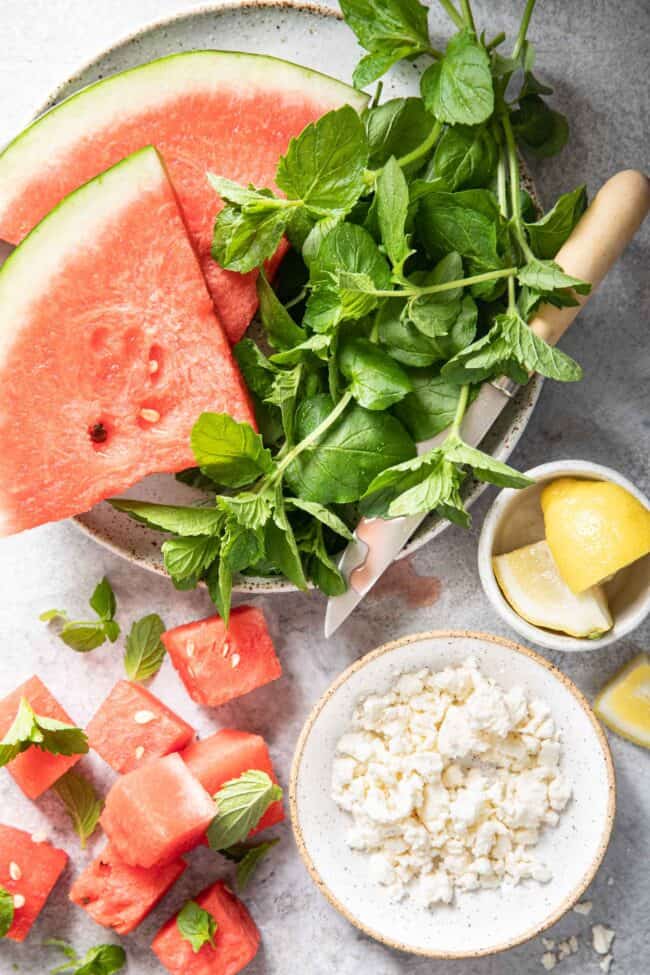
<point x="546" y="277"/>
<point x="187" y="558"/>
<point x="315" y="345"/>
<point x="250" y="510"/>
<point x="229" y="452"/>
<point x="168" y="518"/>
<point x="376" y="380"/>
<point x="6" y="911"/>
<point x="324" y="166"/>
<point x="485" y="467"/>
<point x="281" y="545"/>
<point x="100" y="960"/>
<point x="283" y="393"/>
<point x="392" y="201"/>
<point x="542" y="131"/>
<point x="430" y="407"/>
<point x="81" y="802"/>
<point x="389" y="29"/>
<point x="465" y="157"/>
<point x="547" y="234"/>
<point x="196" y="926"/>
<point x="322" y="514"/>
<point x="243" y="240"/>
<point x="243" y="196"/>
<point x="47" y="734"/>
<point x="396" y="128"/>
<point x="241" y="803"/>
<point x="144" y="649"/>
<point x="86" y="635"/>
<point x="281" y="330"/>
<point x="458" y="89"/>
<point x="251" y="860"/>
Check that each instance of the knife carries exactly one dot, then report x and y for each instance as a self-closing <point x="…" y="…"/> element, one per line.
<point x="603" y="232"/>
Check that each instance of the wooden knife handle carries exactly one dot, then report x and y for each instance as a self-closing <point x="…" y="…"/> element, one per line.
<point x="595" y="244"/>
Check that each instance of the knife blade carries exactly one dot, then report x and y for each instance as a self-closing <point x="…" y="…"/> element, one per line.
<point x="593" y="247"/>
<point x="377" y="541"/>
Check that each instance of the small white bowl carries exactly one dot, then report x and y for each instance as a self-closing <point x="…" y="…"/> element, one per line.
<point x="481" y="922"/>
<point x="515" y="519"/>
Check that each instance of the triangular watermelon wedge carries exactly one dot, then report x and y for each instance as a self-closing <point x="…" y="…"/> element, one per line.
<point x="229" y="113"/>
<point x="109" y="348"/>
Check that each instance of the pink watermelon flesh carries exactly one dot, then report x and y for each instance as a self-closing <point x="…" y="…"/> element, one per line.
<point x="230" y="114"/>
<point x="236" y="938"/>
<point x="35" y="771"/>
<point x="218" y="664"/>
<point x="157" y="812"/>
<point x="40" y="866"/>
<point x="109" y="349"/>
<point x="119" y="733"/>
<point x="226" y="755"/>
<point x="118" y="896"/>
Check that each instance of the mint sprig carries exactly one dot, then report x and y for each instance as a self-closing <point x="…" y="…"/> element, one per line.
<point x="196" y="926"/>
<point x="241" y="803"/>
<point x="145" y="650"/>
<point x="86" y="635"/>
<point x="33" y="730"/>
<point x="82" y="804"/>
<point x="100" y="960"/>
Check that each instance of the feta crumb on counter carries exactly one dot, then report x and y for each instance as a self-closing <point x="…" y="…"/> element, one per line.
<point x="601" y="938"/>
<point x="450" y="780"/>
<point x="584" y="907"/>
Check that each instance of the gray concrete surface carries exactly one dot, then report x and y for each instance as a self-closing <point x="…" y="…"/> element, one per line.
<point x="596" y="53"/>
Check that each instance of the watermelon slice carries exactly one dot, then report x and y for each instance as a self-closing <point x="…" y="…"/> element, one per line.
<point x="28" y="870"/>
<point x="217" y="665"/>
<point x="109" y="348"/>
<point x="236" y="939"/>
<point x="232" y="114"/>
<point x="157" y="812"/>
<point x="35" y="770"/>
<point x="226" y="755"/>
<point x="119" y="896"/>
<point x="132" y="727"/>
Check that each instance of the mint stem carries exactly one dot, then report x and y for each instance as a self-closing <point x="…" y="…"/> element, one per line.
<point x="461" y="409"/>
<point x="467" y="15"/>
<point x="496" y="40"/>
<point x="523" y="29"/>
<point x="312" y="437"/>
<point x="515" y="198"/>
<point x="432" y="289"/>
<point x="424" y="146"/>
<point x="448" y="6"/>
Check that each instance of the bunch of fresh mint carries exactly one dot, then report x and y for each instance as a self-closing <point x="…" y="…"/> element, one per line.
<point x="416" y="262"/>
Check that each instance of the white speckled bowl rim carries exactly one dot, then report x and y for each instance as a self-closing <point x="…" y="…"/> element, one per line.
<point x="101" y="522"/>
<point x="567" y="903"/>
<point x="548" y="638"/>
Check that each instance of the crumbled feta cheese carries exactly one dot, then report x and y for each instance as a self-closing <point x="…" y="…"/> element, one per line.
<point x="605" y="963"/>
<point x="584" y="907"/>
<point x="601" y="938"/>
<point x="548" y="943"/>
<point x="450" y="780"/>
<point x="549" y="961"/>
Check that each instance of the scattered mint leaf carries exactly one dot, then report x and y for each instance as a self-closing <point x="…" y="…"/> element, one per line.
<point x="458" y="88"/>
<point x="100" y="960"/>
<point x="196" y="926"/>
<point x="81" y="802"/>
<point x="251" y="861"/>
<point x="229" y="452"/>
<point x="6" y="911"/>
<point x="144" y="649"/>
<point x="324" y="166"/>
<point x="86" y="635"/>
<point x="241" y="803"/>
<point x="47" y="734"/>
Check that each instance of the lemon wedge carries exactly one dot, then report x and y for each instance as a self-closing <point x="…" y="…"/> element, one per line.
<point x="530" y="581"/>
<point x="624" y="703"/>
<point x="593" y="528"/>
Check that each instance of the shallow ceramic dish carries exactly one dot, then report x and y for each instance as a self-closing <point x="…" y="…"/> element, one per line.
<point x="481" y="922"/>
<point x="515" y="519"/>
<point x="312" y="35"/>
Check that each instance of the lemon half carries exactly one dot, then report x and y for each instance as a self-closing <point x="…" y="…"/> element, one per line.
<point x="593" y="528"/>
<point x="530" y="581"/>
<point x="624" y="703"/>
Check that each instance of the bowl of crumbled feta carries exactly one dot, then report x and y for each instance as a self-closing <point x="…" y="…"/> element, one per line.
<point x="452" y="794"/>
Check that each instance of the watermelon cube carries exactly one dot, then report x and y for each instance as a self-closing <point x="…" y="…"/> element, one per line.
<point x="35" y="770"/>
<point x="226" y="755"/>
<point x="29" y="869"/>
<point x="156" y="812"/>
<point x="218" y="664"/>
<point x="236" y="939"/>
<point x="133" y="726"/>
<point x="119" y="896"/>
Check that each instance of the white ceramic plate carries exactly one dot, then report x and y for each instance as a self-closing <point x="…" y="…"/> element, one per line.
<point x="314" y="36"/>
<point x="481" y="922"/>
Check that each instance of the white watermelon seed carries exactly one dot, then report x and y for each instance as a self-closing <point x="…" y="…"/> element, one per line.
<point x="235" y="660"/>
<point x="153" y="366"/>
<point x="14" y="871"/>
<point x="151" y="416"/>
<point x="19" y="901"/>
<point x="189" y="648"/>
<point x="139" y="752"/>
<point x="144" y="717"/>
<point x="225" y="648"/>
<point x="39" y="837"/>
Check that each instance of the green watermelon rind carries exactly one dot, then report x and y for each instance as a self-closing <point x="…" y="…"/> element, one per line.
<point x="63" y="125"/>
<point x="43" y="250"/>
